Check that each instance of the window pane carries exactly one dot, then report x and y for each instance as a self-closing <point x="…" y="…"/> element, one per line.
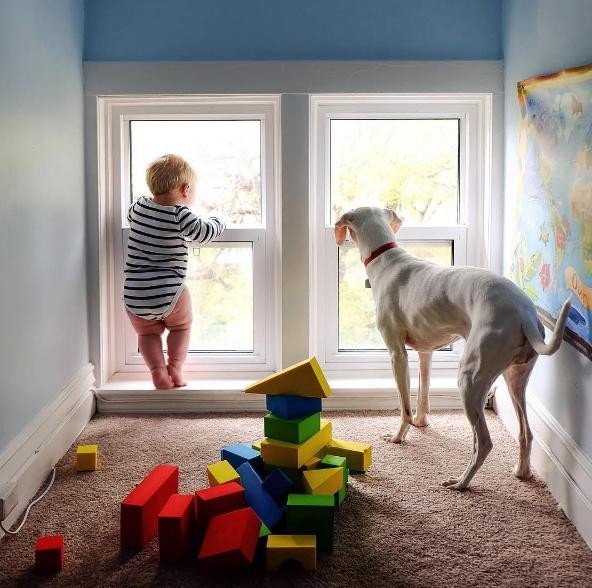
<point x="220" y="280"/>
<point x="226" y="154"/>
<point x="357" y="315"/>
<point x="411" y="166"/>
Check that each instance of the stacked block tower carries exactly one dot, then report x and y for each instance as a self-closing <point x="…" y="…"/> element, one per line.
<point x="276" y="497"/>
<point x="305" y="468"/>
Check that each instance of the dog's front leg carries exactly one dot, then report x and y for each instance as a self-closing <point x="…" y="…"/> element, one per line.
<point x="420" y="419"/>
<point x="401" y="372"/>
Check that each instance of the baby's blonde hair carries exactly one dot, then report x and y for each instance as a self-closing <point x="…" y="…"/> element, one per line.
<point x="167" y="173"/>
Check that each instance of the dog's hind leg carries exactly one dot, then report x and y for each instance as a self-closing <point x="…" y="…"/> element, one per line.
<point x="473" y="395"/>
<point x="401" y="372"/>
<point x="420" y="419"/>
<point x="474" y="382"/>
<point x="516" y="377"/>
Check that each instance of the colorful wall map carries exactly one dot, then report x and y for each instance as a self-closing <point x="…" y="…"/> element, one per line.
<point x="553" y="256"/>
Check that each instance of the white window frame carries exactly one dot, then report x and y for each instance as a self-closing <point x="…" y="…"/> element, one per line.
<point x="470" y="236"/>
<point x="118" y="341"/>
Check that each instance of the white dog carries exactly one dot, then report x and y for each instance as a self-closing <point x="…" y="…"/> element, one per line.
<point x="427" y="306"/>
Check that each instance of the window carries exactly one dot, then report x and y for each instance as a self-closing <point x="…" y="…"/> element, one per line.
<point x="420" y="155"/>
<point x="231" y="142"/>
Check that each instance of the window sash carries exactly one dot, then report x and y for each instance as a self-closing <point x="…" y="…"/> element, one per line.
<point x="471" y="112"/>
<point x="115" y="153"/>
<point x="197" y="360"/>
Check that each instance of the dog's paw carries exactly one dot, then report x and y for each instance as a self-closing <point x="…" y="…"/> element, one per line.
<point x="522" y="473"/>
<point x="458" y="487"/>
<point x="392" y="438"/>
<point x="455" y="484"/>
<point x="420" y="421"/>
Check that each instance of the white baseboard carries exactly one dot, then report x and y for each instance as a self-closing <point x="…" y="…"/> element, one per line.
<point x="29" y="457"/>
<point x="138" y="396"/>
<point x="556" y="458"/>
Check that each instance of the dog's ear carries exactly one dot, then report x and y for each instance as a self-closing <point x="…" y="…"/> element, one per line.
<point x="393" y="219"/>
<point x="341" y="227"/>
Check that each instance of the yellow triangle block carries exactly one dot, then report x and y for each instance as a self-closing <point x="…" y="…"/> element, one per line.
<point x="326" y="481"/>
<point x="222" y="472"/>
<point x="302" y="379"/>
<point x="294" y="455"/>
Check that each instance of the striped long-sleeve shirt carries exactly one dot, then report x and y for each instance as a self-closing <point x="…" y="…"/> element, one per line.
<point x="156" y="261"/>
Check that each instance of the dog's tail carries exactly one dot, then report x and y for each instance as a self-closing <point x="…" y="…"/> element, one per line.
<point x="536" y="339"/>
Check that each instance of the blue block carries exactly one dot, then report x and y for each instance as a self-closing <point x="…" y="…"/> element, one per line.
<point x="278" y="485"/>
<point x="241" y="453"/>
<point x="293" y="407"/>
<point x="258" y="498"/>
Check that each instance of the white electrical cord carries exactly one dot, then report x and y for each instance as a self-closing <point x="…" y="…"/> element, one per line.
<point x="31" y="505"/>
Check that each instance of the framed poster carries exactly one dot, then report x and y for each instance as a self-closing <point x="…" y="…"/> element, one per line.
<point x="553" y="256"/>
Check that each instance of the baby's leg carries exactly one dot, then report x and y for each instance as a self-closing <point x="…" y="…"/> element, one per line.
<point x="150" y="344"/>
<point x="179" y="325"/>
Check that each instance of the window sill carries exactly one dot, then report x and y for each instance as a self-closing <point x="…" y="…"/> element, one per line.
<point x="126" y="393"/>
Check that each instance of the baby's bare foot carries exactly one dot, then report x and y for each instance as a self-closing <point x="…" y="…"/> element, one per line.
<point x="176" y="375"/>
<point x="161" y="379"/>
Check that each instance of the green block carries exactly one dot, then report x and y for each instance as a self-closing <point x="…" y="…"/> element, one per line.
<point x="291" y="430"/>
<point x="339" y="497"/>
<point x="314" y="515"/>
<point x="309" y="500"/>
<point x="264" y="532"/>
<point x="336" y="461"/>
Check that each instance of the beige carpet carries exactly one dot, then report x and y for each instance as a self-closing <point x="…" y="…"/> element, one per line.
<point x="397" y="527"/>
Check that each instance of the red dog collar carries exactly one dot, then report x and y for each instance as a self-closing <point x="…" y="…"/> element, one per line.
<point x="379" y="251"/>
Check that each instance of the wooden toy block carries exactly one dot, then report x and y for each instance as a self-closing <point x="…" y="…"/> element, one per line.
<point x="87" y="458"/>
<point x="300" y="548"/>
<point x="278" y="484"/>
<point x="140" y="509"/>
<point x="257" y="445"/>
<point x="312" y="464"/>
<point x="176" y="526"/>
<point x="49" y="554"/>
<point x="332" y="461"/>
<point x="231" y="540"/>
<point x="258" y="498"/>
<point x="295" y="455"/>
<point x="222" y="472"/>
<point x="323" y="481"/>
<point x="358" y="455"/>
<point x="292" y="407"/>
<point x="312" y="514"/>
<point x="264" y="533"/>
<point x="294" y="474"/>
<point x="301" y="379"/>
<point x="240" y="453"/>
<point x="217" y="500"/>
<point x="292" y="431"/>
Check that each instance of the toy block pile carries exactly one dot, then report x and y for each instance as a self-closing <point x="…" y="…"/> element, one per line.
<point x="275" y="497"/>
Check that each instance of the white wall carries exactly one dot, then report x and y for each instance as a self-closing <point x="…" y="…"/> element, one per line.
<point x="44" y="338"/>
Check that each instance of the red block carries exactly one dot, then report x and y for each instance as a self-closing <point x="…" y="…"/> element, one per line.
<point x="49" y="554"/>
<point x="231" y="539"/>
<point x="176" y="526"/>
<point x="217" y="500"/>
<point x="140" y="509"/>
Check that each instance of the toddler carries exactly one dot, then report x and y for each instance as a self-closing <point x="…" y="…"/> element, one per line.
<point x="155" y="295"/>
